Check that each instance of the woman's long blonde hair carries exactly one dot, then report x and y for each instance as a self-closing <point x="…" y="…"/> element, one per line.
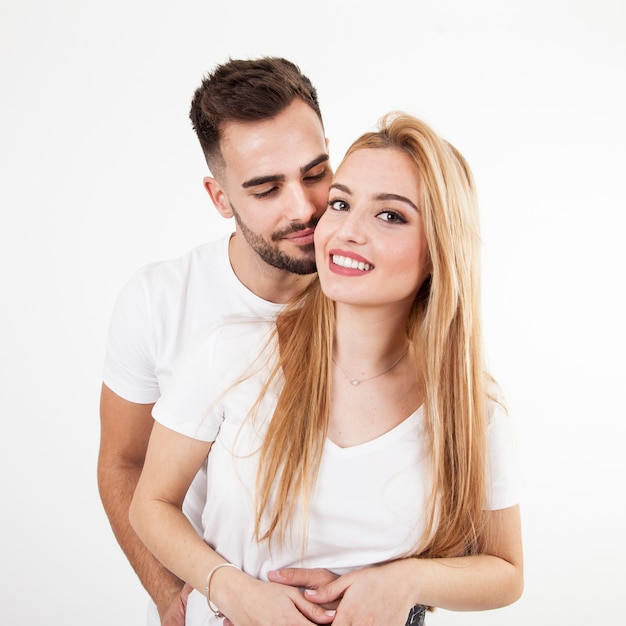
<point x="445" y="328"/>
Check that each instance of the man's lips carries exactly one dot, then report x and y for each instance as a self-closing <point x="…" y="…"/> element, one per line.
<point x="301" y="236"/>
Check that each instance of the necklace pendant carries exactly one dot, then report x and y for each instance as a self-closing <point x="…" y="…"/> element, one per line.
<point x="355" y="382"/>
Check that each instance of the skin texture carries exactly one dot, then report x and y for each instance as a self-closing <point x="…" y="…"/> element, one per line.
<point x="370" y="329"/>
<point x="277" y="176"/>
<point x="276" y="186"/>
<point x="366" y="224"/>
<point x="125" y="430"/>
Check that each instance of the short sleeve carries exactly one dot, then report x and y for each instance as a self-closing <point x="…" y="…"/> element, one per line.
<point x="503" y="472"/>
<point x="129" y="361"/>
<point x="190" y="404"/>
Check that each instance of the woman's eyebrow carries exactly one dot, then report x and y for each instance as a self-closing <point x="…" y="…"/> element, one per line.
<point x="341" y="188"/>
<point x="379" y="196"/>
<point x="395" y="196"/>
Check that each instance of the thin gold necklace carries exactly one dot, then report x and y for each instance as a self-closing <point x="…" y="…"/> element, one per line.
<point x="355" y="381"/>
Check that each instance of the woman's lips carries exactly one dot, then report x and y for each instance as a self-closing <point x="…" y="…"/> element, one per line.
<point x="348" y="263"/>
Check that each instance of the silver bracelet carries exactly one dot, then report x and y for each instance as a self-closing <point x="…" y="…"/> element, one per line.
<point x="207" y="588"/>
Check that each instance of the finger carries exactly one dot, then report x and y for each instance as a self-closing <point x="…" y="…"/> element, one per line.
<point x="313" y="612"/>
<point x="302" y="577"/>
<point x="329" y="593"/>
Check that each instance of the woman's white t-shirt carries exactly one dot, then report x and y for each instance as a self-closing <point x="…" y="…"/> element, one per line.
<point x="368" y="502"/>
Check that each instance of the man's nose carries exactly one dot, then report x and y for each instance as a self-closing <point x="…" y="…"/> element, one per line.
<point x="302" y="206"/>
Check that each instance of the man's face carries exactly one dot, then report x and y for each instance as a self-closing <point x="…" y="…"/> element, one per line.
<point x="275" y="181"/>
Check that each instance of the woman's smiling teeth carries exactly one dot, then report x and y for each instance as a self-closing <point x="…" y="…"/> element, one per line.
<point x="345" y="261"/>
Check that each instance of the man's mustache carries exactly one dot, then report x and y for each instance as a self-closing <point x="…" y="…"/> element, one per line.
<point x="294" y="228"/>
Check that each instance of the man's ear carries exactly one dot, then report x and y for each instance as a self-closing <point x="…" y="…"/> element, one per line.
<point x="218" y="196"/>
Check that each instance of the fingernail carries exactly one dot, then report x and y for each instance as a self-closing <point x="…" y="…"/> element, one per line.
<point x="310" y="592"/>
<point x="330" y="613"/>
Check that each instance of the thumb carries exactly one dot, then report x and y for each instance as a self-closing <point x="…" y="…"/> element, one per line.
<point x="302" y="577"/>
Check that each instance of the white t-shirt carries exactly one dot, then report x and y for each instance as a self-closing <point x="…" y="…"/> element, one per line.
<point x="157" y="314"/>
<point x="368" y="503"/>
<point x="162" y="308"/>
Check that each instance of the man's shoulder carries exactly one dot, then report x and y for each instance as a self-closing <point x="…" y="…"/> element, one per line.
<point x="204" y="258"/>
<point x="206" y="264"/>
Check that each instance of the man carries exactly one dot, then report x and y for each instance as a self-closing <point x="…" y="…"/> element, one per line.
<point x="262" y="135"/>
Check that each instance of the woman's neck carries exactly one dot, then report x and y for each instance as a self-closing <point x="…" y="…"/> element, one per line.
<point x="367" y="339"/>
<point x="374" y="382"/>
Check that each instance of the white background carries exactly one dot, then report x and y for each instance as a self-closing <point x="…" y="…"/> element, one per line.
<point x="100" y="173"/>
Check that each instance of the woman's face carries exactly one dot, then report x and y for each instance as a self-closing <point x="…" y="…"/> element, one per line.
<point x="370" y="244"/>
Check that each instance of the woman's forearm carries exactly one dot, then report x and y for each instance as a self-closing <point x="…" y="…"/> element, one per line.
<point x="471" y="583"/>
<point x="169" y="535"/>
<point x="484" y="581"/>
<point x="172" y="460"/>
<point x="156" y="515"/>
<point x="386" y="592"/>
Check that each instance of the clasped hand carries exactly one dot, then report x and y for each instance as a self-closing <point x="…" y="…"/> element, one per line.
<point x="366" y="597"/>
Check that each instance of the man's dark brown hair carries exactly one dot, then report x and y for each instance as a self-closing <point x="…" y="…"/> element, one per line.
<point x="245" y="91"/>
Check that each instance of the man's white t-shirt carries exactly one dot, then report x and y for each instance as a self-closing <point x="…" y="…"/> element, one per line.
<point x="368" y="503"/>
<point x="157" y="314"/>
<point x="162" y="308"/>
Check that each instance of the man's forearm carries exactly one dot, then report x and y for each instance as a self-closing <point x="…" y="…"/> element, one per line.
<point x="117" y="486"/>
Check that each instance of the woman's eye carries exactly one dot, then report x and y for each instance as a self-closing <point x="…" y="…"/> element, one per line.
<point x="338" y="205"/>
<point x="391" y="217"/>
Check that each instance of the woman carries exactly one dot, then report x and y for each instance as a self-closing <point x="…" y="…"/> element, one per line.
<point x="368" y="431"/>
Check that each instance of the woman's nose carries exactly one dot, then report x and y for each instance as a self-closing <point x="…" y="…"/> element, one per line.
<point x="352" y="229"/>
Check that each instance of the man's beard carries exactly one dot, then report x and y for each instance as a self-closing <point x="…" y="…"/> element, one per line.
<point x="275" y="257"/>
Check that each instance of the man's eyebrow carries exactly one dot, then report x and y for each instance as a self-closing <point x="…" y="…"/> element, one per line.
<point x="322" y="158"/>
<point x="279" y="178"/>
<point x="380" y="196"/>
<point x="261" y="180"/>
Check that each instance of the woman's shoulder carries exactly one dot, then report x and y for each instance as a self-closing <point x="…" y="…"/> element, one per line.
<point x="496" y="400"/>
